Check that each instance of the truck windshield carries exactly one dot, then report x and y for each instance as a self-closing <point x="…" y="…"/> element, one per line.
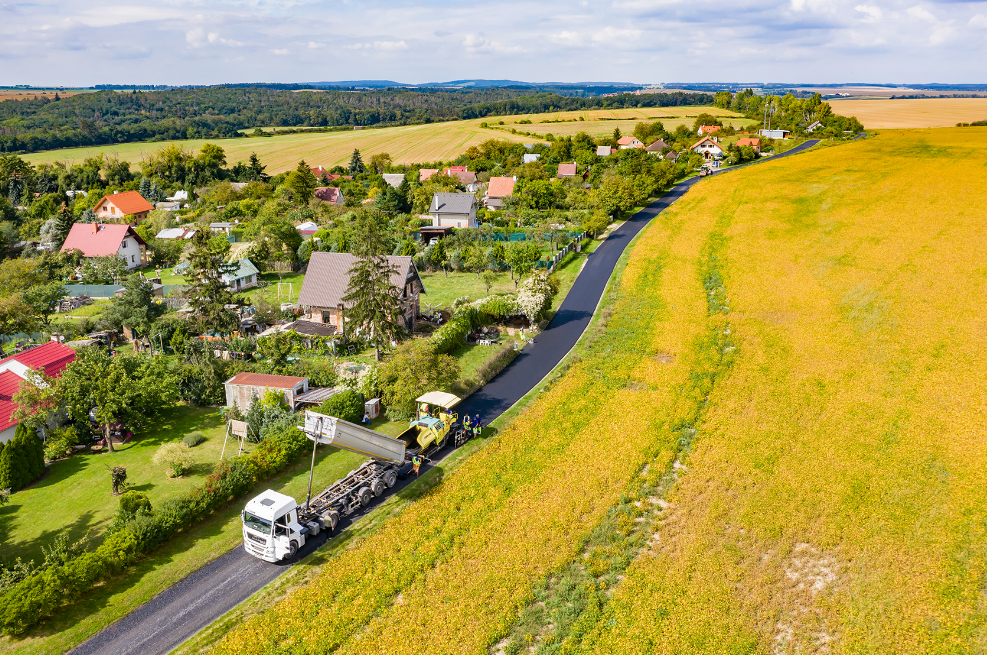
<point x="256" y="523"/>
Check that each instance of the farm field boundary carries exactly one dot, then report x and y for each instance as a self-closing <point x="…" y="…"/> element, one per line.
<point x="913" y="113"/>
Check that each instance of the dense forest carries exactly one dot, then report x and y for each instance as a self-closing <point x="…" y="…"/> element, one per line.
<point x="109" y="117"/>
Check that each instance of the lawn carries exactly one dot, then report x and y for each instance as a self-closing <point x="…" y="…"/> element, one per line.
<point x="38" y="513"/>
<point x="406" y="145"/>
<point x="272" y="294"/>
<point x="178" y="558"/>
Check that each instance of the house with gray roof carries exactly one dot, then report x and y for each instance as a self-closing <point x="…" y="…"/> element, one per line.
<point x="328" y="277"/>
<point x="244" y="277"/>
<point x="453" y="210"/>
<point x="603" y="151"/>
<point x="394" y="179"/>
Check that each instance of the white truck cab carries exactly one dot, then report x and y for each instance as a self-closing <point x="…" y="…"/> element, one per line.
<point x="271" y="530"/>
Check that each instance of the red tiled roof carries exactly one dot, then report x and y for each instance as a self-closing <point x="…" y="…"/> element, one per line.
<point x="265" y="380"/>
<point x="567" y="170"/>
<point x="10" y="382"/>
<point x="756" y="143"/>
<point x="426" y="173"/>
<point x="96" y="240"/>
<point x="51" y="358"/>
<point x="500" y="187"/>
<point x="626" y="140"/>
<point x="708" y="129"/>
<point x="457" y="169"/>
<point x="329" y="194"/>
<point x="128" y="202"/>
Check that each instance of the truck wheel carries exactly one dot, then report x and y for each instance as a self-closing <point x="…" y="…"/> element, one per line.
<point x="364" y="495"/>
<point x="292" y="549"/>
<point x="377" y="487"/>
<point x="390" y="478"/>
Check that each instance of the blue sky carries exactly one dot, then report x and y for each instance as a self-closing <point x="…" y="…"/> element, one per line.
<point x="61" y="42"/>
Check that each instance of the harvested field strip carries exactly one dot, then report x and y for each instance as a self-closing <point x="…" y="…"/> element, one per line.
<point x="918" y="112"/>
<point x="466" y="554"/>
<point x="835" y="493"/>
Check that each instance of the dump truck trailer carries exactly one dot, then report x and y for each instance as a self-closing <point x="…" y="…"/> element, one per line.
<point x="275" y="526"/>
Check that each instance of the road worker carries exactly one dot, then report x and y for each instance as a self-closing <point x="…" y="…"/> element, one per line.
<point x="476" y="426"/>
<point x="416" y="462"/>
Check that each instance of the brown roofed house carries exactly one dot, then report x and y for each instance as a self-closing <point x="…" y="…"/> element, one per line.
<point x="498" y="189"/>
<point x="657" y="147"/>
<point x="330" y="194"/>
<point x="567" y="170"/>
<point x="129" y="203"/>
<point x="328" y="277"/>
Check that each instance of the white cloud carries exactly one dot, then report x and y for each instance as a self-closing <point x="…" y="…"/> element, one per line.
<point x="921" y="14"/>
<point x="871" y="10"/>
<point x="477" y="45"/>
<point x="315" y="46"/>
<point x="282" y="51"/>
<point x="979" y="21"/>
<point x="614" y="35"/>
<point x="390" y="46"/>
<point x="567" y="38"/>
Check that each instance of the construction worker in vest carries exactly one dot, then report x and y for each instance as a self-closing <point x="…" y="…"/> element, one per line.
<point x="416" y="462"/>
<point x="466" y="423"/>
<point x="476" y="426"/>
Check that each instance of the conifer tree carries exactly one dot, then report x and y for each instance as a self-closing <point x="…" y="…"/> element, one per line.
<point x="374" y="306"/>
<point x="144" y="188"/>
<point x="207" y="292"/>
<point x="356" y="163"/>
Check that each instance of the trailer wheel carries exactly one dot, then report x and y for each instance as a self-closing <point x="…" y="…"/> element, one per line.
<point x="364" y="495"/>
<point x="377" y="487"/>
<point x="292" y="549"/>
<point x="390" y="478"/>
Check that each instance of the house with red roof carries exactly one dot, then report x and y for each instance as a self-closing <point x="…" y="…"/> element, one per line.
<point x="708" y="148"/>
<point x="50" y="358"/>
<point x="705" y="130"/>
<point x="129" y="203"/>
<point x="498" y="189"/>
<point x="750" y="142"/>
<point x="567" y="170"/>
<point x="330" y="194"/>
<point x="319" y="172"/>
<point x="97" y="240"/>
<point x="626" y="142"/>
<point x="426" y="173"/>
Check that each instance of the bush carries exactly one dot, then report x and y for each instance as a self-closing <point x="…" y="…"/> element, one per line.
<point x="60" y="442"/>
<point x="347" y="405"/>
<point x="193" y="439"/>
<point x="132" y="501"/>
<point x="176" y="457"/>
<point x="118" y="479"/>
<point x="415" y="368"/>
<point x="22" y="461"/>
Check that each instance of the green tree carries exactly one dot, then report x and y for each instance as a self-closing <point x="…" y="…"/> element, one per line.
<point x="356" y="163"/>
<point x="475" y="260"/>
<point x="722" y="99"/>
<point x="276" y="350"/>
<point x="415" y="368"/>
<point x="23" y="460"/>
<point x="136" y="306"/>
<point x="16" y="317"/>
<point x="302" y="183"/>
<point x="705" y="119"/>
<point x="128" y="389"/>
<point x="43" y="300"/>
<point x="63" y="225"/>
<point x="19" y="275"/>
<point x="616" y="134"/>
<point x="102" y="270"/>
<point x="380" y="162"/>
<point x="207" y="293"/>
<point x="373" y="301"/>
<point x="144" y="188"/>
<point x="521" y="257"/>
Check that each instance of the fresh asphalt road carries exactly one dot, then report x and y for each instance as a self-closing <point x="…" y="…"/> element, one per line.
<point x="174" y="615"/>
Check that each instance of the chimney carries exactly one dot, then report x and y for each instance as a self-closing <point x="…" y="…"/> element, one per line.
<point x="115" y="192"/>
<point x="95" y="228"/>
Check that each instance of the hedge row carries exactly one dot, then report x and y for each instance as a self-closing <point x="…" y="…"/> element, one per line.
<point x="41" y="594"/>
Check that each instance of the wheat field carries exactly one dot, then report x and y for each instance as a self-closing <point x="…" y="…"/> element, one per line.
<point x="917" y="113"/>
<point x="406" y="145"/>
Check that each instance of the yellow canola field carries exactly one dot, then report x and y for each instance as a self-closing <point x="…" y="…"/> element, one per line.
<point x="836" y="493"/>
<point x="450" y="574"/>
